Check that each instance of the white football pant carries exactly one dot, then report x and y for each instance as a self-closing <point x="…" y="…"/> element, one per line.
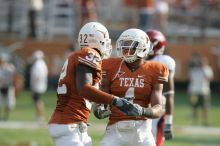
<point x="69" y="135"/>
<point x="155" y="127"/>
<point x="129" y="133"/>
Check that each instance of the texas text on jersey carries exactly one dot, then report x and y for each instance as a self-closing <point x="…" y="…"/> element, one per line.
<point x="136" y="86"/>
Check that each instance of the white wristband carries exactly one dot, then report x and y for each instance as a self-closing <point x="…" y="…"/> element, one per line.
<point x="168" y="119"/>
<point x="168" y="92"/>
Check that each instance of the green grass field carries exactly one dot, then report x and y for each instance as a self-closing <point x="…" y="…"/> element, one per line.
<point x="24" y="111"/>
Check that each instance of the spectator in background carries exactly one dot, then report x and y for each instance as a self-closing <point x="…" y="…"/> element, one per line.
<point x="146" y="11"/>
<point x="200" y="75"/>
<point x="161" y="14"/>
<point x="38" y="82"/>
<point x="88" y="11"/>
<point x="130" y="13"/>
<point x="35" y="7"/>
<point x="7" y="88"/>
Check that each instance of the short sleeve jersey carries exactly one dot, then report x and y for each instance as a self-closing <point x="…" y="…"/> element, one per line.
<point x="72" y="108"/>
<point x="135" y="86"/>
<point x="7" y="72"/>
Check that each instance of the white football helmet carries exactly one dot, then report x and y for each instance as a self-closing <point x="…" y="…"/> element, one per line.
<point x="133" y="44"/>
<point x="95" y="35"/>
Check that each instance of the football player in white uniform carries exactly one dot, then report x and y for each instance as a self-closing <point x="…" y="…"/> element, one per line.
<point x="163" y="126"/>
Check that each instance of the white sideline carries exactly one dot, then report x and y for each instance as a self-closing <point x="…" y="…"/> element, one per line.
<point x="20" y="125"/>
<point x="198" y="130"/>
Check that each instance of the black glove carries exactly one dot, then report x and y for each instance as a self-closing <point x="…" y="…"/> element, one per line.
<point x="168" y="131"/>
<point x="137" y="110"/>
<point x="127" y="107"/>
<point x="100" y="111"/>
<point x="141" y="111"/>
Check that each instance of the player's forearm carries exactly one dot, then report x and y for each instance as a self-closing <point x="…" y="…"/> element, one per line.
<point x="169" y="104"/>
<point x="153" y="112"/>
<point x="91" y="93"/>
<point x="169" y="108"/>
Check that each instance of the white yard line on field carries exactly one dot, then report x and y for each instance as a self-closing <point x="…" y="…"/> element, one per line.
<point x="191" y="130"/>
<point x="199" y="130"/>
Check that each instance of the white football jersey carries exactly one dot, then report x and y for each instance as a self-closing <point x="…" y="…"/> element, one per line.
<point x="7" y="72"/>
<point x="39" y="76"/>
<point x="200" y="80"/>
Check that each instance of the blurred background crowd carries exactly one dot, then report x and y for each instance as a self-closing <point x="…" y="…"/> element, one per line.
<point x="51" y="26"/>
<point x="49" y="18"/>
